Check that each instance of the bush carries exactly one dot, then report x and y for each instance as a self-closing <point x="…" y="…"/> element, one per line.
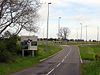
<point x="5" y="56"/>
<point x="9" y="48"/>
<point x="97" y="57"/>
<point x="12" y="44"/>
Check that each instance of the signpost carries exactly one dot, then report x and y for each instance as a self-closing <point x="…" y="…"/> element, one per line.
<point x="29" y="43"/>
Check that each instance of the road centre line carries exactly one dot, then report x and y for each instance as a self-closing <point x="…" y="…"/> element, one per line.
<point x="66" y="56"/>
<point x="59" y="63"/>
<point x="50" y="71"/>
<point x="62" y="60"/>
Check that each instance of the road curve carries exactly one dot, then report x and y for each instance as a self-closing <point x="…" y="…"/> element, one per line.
<point x="66" y="62"/>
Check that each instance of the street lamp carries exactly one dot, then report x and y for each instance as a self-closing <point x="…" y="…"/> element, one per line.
<point x="59" y="26"/>
<point x="81" y="31"/>
<point x="86" y="33"/>
<point x="47" y="26"/>
<point x="97" y="34"/>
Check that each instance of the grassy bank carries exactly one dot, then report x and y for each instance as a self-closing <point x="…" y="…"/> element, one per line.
<point x="92" y="67"/>
<point x="25" y="62"/>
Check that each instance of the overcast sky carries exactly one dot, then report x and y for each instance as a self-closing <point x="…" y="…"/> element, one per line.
<point x="72" y="13"/>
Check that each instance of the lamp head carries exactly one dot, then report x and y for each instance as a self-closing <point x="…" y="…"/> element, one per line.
<point x="49" y="3"/>
<point x="59" y="17"/>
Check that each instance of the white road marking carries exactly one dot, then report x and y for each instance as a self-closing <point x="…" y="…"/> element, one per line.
<point x="65" y="57"/>
<point x="50" y="71"/>
<point x="59" y="63"/>
<point x="63" y="60"/>
<point x="81" y="60"/>
<point x="80" y="56"/>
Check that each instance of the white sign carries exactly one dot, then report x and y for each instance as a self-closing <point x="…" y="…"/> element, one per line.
<point x="29" y="42"/>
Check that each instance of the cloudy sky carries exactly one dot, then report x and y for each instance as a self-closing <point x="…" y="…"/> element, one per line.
<point x="72" y="13"/>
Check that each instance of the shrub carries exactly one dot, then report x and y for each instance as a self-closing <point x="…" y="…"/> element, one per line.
<point x="97" y="57"/>
<point x="5" y="55"/>
<point x="9" y="48"/>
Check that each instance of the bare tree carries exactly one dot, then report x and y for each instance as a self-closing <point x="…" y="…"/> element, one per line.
<point x="19" y="14"/>
<point x="64" y="32"/>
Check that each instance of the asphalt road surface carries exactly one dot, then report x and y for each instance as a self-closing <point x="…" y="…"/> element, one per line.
<point x="66" y="62"/>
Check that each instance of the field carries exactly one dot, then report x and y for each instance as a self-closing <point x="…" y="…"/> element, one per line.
<point x="25" y="62"/>
<point x="91" y="63"/>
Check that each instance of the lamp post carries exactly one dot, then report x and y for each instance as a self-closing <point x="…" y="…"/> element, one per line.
<point x="59" y="26"/>
<point x="86" y="33"/>
<point x="97" y="34"/>
<point x="81" y="31"/>
<point x="77" y="34"/>
<point x="47" y="27"/>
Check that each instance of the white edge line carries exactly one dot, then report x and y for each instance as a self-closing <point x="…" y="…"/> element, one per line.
<point x="80" y="55"/>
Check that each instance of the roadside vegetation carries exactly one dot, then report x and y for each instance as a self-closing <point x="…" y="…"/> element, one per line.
<point x="90" y="55"/>
<point x="80" y="42"/>
<point x="16" y="62"/>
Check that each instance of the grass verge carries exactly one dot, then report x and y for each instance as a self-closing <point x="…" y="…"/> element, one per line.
<point x="87" y="52"/>
<point x="92" y="67"/>
<point x="26" y="62"/>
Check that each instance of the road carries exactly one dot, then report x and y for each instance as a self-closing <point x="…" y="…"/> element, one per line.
<point x="66" y="62"/>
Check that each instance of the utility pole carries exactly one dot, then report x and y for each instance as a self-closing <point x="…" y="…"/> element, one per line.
<point x="47" y="27"/>
<point x="59" y="26"/>
<point x="81" y="31"/>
